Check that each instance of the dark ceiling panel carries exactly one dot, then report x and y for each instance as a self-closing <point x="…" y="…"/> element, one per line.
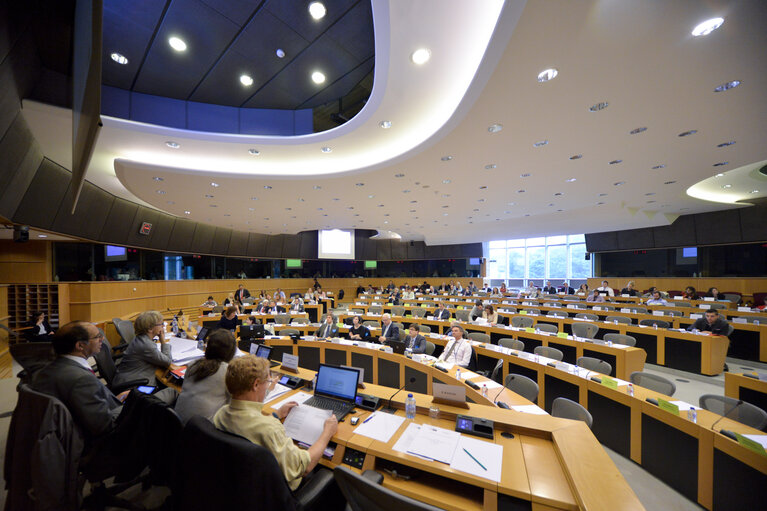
<point x="681" y="233"/>
<point x="309" y="245"/>
<point x="40" y="204"/>
<point x="257" y="244"/>
<point x="122" y="213"/>
<point x="636" y="239"/>
<point x="221" y="240"/>
<point x="415" y="250"/>
<point x="355" y="31"/>
<point x="398" y="250"/>
<point x="601" y="241"/>
<point x="128" y="29"/>
<point x="222" y="85"/>
<point x="341" y="87"/>
<point x="202" y="241"/>
<point x="433" y="252"/>
<point x="296" y="15"/>
<point x="718" y="227"/>
<point x="206" y="33"/>
<point x="91" y="213"/>
<point x="274" y="246"/>
<point x="752" y="224"/>
<point x="161" y="231"/>
<point x="291" y="247"/>
<point x="383" y="250"/>
<point x="238" y="245"/>
<point x="236" y="10"/>
<point x="181" y="236"/>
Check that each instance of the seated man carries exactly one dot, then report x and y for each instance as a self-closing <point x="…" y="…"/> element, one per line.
<point x="656" y="299"/>
<point x="457" y="351"/>
<point x="70" y="379"/>
<point x="711" y="323"/>
<point x="605" y="289"/>
<point x="441" y="314"/>
<point x="476" y="311"/>
<point x="629" y="289"/>
<point x="247" y="380"/>
<point x="414" y="340"/>
<point x="389" y="331"/>
<point x="328" y="328"/>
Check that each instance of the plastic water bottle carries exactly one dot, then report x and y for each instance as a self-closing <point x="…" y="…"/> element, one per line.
<point x="457" y="373"/>
<point x="174" y="326"/>
<point x="630" y="390"/>
<point x="484" y="390"/>
<point x="692" y="414"/>
<point x="410" y="407"/>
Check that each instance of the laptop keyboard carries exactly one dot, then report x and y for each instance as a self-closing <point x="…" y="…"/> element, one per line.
<point x="339" y="408"/>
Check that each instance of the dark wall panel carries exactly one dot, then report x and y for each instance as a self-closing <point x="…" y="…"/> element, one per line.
<point x="202" y="241"/>
<point x="433" y="251"/>
<point x="752" y="224"/>
<point x="238" y="245"/>
<point x="221" y="240"/>
<point x="89" y="217"/>
<point x="601" y="241"/>
<point x="369" y="252"/>
<point x="635" y="238"/>
<point x="41" y="201"/>
<point x="161" y="231"/>
<point x="383" y="250"/>
<point x="20" y="159"/>
<point x="681" y="233"/>
<point x="181" y="235"/>
<point x="143" y="214"/>
<point x="18" y="74"/>
<point x="309" y="245"/>
<point x="718" y="227"/>
<point x="416" y="250"/>
<point x="291" y="246"/>
<point x="122" y="213"/>
<point x="452" y="251"/>
<point x="471" y="249"/>
<point x="256" y="244"/>
<point x="274" y="246"/>
<point x="398" y="250"/>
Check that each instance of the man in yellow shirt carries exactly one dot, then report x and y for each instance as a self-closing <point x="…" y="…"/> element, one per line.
<point x="247" y="380"/>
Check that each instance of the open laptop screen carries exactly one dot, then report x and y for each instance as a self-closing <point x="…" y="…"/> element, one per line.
<point x="263" y="351"/>
<point x="202" y="334"/>
<point x="337" y="382"/>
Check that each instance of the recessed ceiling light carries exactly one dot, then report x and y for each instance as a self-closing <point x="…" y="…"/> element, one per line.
<point x="254" y="152"/>
<point x="227" y="214"/>
<point x="551" y="204"/>
<point x="669" y="182"/>
<point x="177" y="44"/>
<point x="599" y="106"/>
<point x="359" y="184"/>
<point x="446" y="158"/>
<point x="571" y="180"/>
<point x="246" y="80"/>
<point x="600" y="203"/>
<point x="172" y="145"/>
<point x="661" y="166"/>
<point x="445" y="181"/>
<point x="547" y="74"/>
<point x="420" y="56"/>
<point x="251" y="209"/>
<point x="527" y="174"/>
<point x="650" y="202"/>
<point x="727" y="86"/>
<point x="170" y="202"/>
<point x="576" y="157"/>
<point x="615" y="162"/>
<point x="687" y="133"/>
<point x="649" y="194"/>
<point x="618" y="183"/>
<point x="560" y="210"/>
<point x="326" y="149"/>
<point x="511" y="203"/>
<point x="476" y="209"/>
<point x="719" y="175"/>
<point x="187" y="212"/>
<point x="727" y="186"/>
<point x="725" y="144"/>
<point x="317" y="10"/>
<point x="603" y="195"/>
<point x="158" y="178"/>
<point x="707" y="27"/>
<point x="380" y="205"/>
<point x="208" y="196"/>
<point x="637" y="130"/>
<point x="721" y="163"/>
<point x="558" y="194"/>
<point x="385" y="124"/>
<point x="119" y="58"/>
<point x="280" y="53"/>
<point x="336" y="199"/>
<point x="541" y="143"/>
<point x="445" y="195"/>
<point x="520" y="191"/>
<point x="495" y="128"/>
<point x="254" y="198"/>
<point x="405" y="191"/>
<point x="491" y="166"/>
<point x="371" y="196"/>
<point x="483" y="187"/>
<point x="215" y="185"/>
<point x="318" y="77"/>
<point x="213" y="205"/>
<point x="317" y="187"/>
<point x="754" y="191"/>
<point x="42" y="235"/>
<point x="444" y="214"/>
<point x="267" y="187"/>
<point x="413" y="202"/>
<point x="399" y="175"/>
<point x="480" y="200"/>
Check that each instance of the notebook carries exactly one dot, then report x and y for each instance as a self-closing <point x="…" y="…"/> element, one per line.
<point x="335" y="390"/>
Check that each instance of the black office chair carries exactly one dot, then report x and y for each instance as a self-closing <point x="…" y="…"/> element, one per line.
<point x="655" y="322"/>
<point x="246" y="475"/>
<point x="523" y="386"/>
<point x="472" y="361"/>
<point x="125" y="330"/>
<point x="746" y="413"/>
<point x="364" y="492"/>
<point x="430" y="347"/>
<point x="108" y="369"/>
<point x="31" y="356"/>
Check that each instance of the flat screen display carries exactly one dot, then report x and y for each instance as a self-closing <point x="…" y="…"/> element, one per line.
<point x="113" y="253"/>
<point x="293" y="263"/>
<point x="371" y="265"/>
<point x="474" y="261"/>
<point x="687" y="255"/>
<point x="335" y="244"/>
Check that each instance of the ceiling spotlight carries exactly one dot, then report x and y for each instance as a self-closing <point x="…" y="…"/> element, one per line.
<point x="385" y="124"/>
<point x="727" y="186"/>
<point x="399" y="175"/>
<point x="246" y="80"/>
<point x="446" y="158"/>
<point x="661" y="166"/>
<point x="721" y="163"/>
<point x="547" y="74"/>
<point x="420" y="56"/>
<point x="280" y="53"/>
<point x="725" y="144"/>
<point x="707" y="27"/>
<point x="571" y="180"/>
<point x="603" y="195"/>
<point x="360" y="184"/>
<point x="267" y="187"/>
<point x="637" y="130"/>
<point x="520" y="191"/>
<point x="649" y="194"/>
<point x="215" y="185"/>
<point x="719" y="175"/>
<point x="317" y="187"/>
<point x="558" y="194"/>
<point x="495" y="128"/>
<point x="254" y="198"/>
<point x="619" y="183"/>
<point x="159" y="178"/>
<point x="754" y="191"/>
<point x="727" y="86"/>
<point x="161" y="192"/>
<point x="317" y="10"/>
<point x="254" y="152"/>
<point x="687" y="133"/>
<point x="172" y="145"/>
<point x="171" y="202"/>
<point x="187" y="212"/>
<point x="541" y="143"/>
<point x="615" y="162"/>
<point x="177" y="44"/>
<point x="669" y="182"/>
<point x="599" y="106"/>
<point x="491" y="166"/>
<point x="208" y="196"/>
<point x="483" y="187"/>
<point x="318" y="77"/>
<point x="576" y="157"/>
<point x="119" y="58"/>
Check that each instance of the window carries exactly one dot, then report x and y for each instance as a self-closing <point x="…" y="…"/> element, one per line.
<point x="536" y="269"/>
<point x="580" y="268"/>
<point x="516" y="258"/>
<point x="557" y="262"/>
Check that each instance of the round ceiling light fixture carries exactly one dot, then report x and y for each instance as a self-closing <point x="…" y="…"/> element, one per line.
<point x="421" y="56"/>
<point x="119" y="58"/>
<point x="727" y="86"/>
<point x="327" y="149"/>
<point x="707" y="27"/>
<point x="172" y="144"/>
<point x="318" y="77"/>
<point x="280" y="53"/>
<point x="317" y="10"/>
<point x="599" y="106"/>
<point x="541" y="143"/>
<point x="547" y="74"/>
<point x="254" y="152"/>
<point x="246" y="80"/>
<point x="495" y="128"/>
<point x="637" y="130"/>
<point x="726" y="144"/>
<point x="385" y="124"/>
<point x="177" y="43"/>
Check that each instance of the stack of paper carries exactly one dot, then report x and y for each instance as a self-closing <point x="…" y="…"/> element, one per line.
<point x="479" y="458"/>
<point x="435" y="443"/>
<point x="276" y="392"/>
<point x="533" y="409"/>
<point x="298" y="397"/>
<point x="305" y="423"/>
<point x="380" y="426"/>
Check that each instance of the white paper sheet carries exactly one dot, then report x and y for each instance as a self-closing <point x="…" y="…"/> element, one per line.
<point x="276" y="392"/>
<point x="470" y="452"/>
<point x="683" y="406"/>
<point x="380" y="426"/>
<point x="406" y="439"/>
<point x="533" y="409"/>
<point x="762" y="439"/>
<point x="298" y="397"/>
<point x="435" y="443"/>
<point x="305" y="423"/>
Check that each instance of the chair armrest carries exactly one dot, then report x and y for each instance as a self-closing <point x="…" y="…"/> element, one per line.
<point x="310" y="493"/>
<point x="117" y="389"/>
<point x="372" y="475"/>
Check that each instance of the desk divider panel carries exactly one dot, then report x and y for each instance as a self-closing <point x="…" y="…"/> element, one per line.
<point x="509" y="503"/>
<point x="309" y="357"/>
<point x="530" y="344"/>
<point x="744" y="344"/>
<point x="736" y="485"/>
<point x="421" y="383"/>
<point x="554" y="388"/>
<point x="569" y="352"/>
<point x="612" y="423"/>
<point x="754" y="397"/>
<point x="649" y="343"/>
<point x="610" y="359"/>
<point x="365" y="362"/>
<point x="278" y="351"/>
<point x="682" y="354"/>
<point x="523" y="370"/>
<point x="335" y="357"/>
<point x="388" y="373"/>
<point x="670" y="455"/>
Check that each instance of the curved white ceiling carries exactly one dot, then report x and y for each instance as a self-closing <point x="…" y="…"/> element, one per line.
<point x="730" y="187"/>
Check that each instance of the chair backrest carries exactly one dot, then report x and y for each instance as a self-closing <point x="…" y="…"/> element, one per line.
<point x="653" y="382"/>
<point x="746" y="413"/>
<point x="533" y="311"/>
<point x="549" y="352"/>
<point x="370" y="323"/>
<point x="418" y="312"/>
<point x="479" y="337"/>
<point x="558" y="314"/>
<point x="587" y="315"/>
<point x="514" y="344"/>
<point x="32" y="356"/>
<point x="759" y="298"/>
<point x="682" y="303"/>
<point x="105" y="363"/>
<point x="587" y="330"/>
<point x="717" y="306"/>
<point x="364" y="494"/>
<point x="733" y="297"/>
<point x="430" y="347"/>
<point x="245" y="472"/>
<point x="397" y="310"/>
<point x="672" y="313"/>
<point x="512" y="310"/>
<point x="299" y="321"/>
<point x="425" y="329"/>
<point x="620" y="319"/>
<point x="289" y="331"/>
<point x="607" y="307"/>
<point x="496" y="374"/>
<point x="594" y="364"/>
<point x="522" y="385"/>
<point x="521" y="322"/>
<point x="125" y="330"/>
<point x="730" y="330"/>
<point x="620" y="339"/>
<point x="282" y="319"/>
<point x="639" y="310"/>
<point x="462" y="314"/>
<point x="547" y="327"/>
<point x="567" y="409"/>
<point x="653" y="322"/>
<point x="375" y="309"/>
<point x="343" y="306"/>
<point x="218" y="309"/>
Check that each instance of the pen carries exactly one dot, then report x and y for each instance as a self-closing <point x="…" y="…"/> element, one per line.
<point x="475" y="459"/>
<point x="369" y="417"/>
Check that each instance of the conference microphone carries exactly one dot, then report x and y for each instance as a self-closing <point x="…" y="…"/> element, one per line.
<point x="503" y="387"/>
<point x="389" y="408"/>
<point x="737" y="405"/>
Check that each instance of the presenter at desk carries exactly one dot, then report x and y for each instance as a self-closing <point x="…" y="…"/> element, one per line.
<point x="657" y="300"/>
<point x="605" y="289"/>
<point x="457" y="351"/>
<point x="241" y="294"/>
<point x="328" y="328"/>
<point x="390" y="331"/>
<point x="441" y="314"/>
<point x="414" y="340"/>
<point x="358" y="331"/>
<point x="297" y="305"/>
<point x="711" y="323"/>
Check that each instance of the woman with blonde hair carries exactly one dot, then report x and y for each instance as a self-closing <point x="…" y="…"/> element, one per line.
<point x="142" y="358"/>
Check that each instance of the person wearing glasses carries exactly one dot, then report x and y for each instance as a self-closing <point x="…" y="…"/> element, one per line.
<point x="142" y="358"/>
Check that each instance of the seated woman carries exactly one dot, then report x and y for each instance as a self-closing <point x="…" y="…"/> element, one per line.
<point x="204" y="388"/>
<point x="583" y="290"/>
<point x="690" y="293"/>
<point x="629" y="289"/>
<point x="142" y="358"/>
<point x="715" y="294"/>
<point x="228" y="319"/>
<point x="490" y="315"/>
<point x="309" y="295"/>
<point x="358" y="331"/>
<point x="210" y="302"/>
<point x="503" y="288"/>
<point x="595" y="297"/>
<point x="229" y="301"/>
<point x="41" y="329"/>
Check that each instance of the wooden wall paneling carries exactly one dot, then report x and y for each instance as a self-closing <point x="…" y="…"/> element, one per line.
<point x="25" y="262"/>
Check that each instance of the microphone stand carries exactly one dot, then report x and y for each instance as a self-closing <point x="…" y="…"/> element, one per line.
<point x="389" y="408"/>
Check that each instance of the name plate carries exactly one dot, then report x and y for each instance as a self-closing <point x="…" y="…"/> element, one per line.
<point x="597" y="308"/>
<point x="625" y="295"/>
<point x="613" y="384"/>
<point x="529" y="330"/>
<point x="739" y="320"/>
<point x="669" y="407"/>
<point x="704" y="306"/>
<point x="677" y="297"/>
<point x="626" y="311"/>
<point x="751" y="444"/>
<point x="571" y="306"/>
<point x="744" y="309"/>
<point x="290" y="362"/>
<point x="562" y="366"/>
<point x="708" y="298"/>
<point x="450" y="394"/>
<point x="696" y="316"/>
<point x="657" y="313"/>
<point x="562" y="335"/>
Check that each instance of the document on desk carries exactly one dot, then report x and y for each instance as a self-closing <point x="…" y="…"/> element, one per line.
<point x="186" y="357"/>
<point x="276" y="392"/>
<point x="533" y="409"/>
<point x="305" y="423"/>
<point x="380" y="426"/>
<point x="478" y="458"/>
<point x="762" y="439"/>
<point x="298" y="397"/>
<point x="406" y="439"/>
<point x="434" y="443"/>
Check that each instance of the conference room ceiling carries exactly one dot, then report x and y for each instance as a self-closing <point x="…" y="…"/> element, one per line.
<point x="484" y="173"/>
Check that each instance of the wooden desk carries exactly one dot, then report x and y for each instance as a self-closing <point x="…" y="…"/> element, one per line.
<point x="750" y="390"/>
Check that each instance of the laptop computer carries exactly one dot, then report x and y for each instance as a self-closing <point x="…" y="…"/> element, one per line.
<point x="335" y="390"/>
<point x="202" y="334"/>
<point x="397" y="346"/>
<point x="264" y="351"/>
<point x="250" y="332"/>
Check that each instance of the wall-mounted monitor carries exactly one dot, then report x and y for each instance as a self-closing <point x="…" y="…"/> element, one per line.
<point x="293" y="263"/>
<point x="371" y="265"/>
<point x="113" y="253"/>
<point x="335" y="244"/>
<point x="687" y="255"/>
<point x="474" y="261"/>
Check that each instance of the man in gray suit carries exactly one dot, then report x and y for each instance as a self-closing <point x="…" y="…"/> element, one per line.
<point x="414" y="340"/>
<point x="70" y="379"/>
